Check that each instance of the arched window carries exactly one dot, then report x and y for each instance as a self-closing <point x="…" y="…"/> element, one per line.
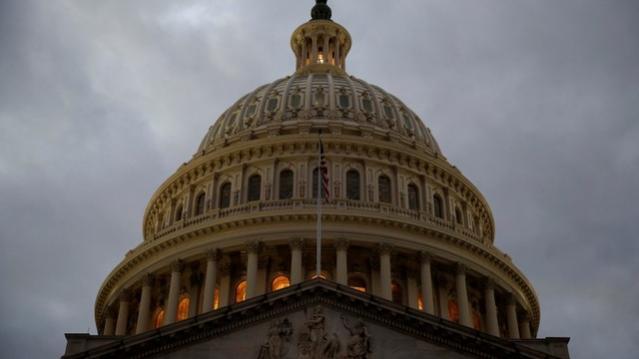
<point x="178" y="213"/>
<point x="352" y="185"/>
<point x="397" y="292"/>
<point x="183" y="308"/>
<point x="225" y="195"/>
<point x="453" y="310"/>
<point x="158" y="318"/>
<point x="199" y="203"/>
<point x="240" y="292"/>
<point x="280" y="282"/>
<point x="413" y="197"/>
<point x="458" y="216"/>
<point x="254" y="188"/>
<point x="357" y="283"/>
<point x="286" y="184"/>
<point x="384" y="186"/>
<point x="216" y="298"/>
<point x="438" y="205"/>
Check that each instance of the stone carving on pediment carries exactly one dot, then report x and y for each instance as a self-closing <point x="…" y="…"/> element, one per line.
<point x="315" y="340"/>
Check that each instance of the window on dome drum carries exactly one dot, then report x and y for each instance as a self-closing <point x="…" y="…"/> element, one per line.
<point x="384" y="187"/>
<point x="225" y="195"/>
<point x="240" y="292"/>
<point x="216" y="298"/>
<point x="453" y="310"/>
<point x="199" y="203"/>
<point x="458" y="216"/>
<point x="158" y="319"/>
<point x="178" y="213"/>
<point x="357" y="283"/>
<point x="344" y="101"/>
<point x="367" y="104"/>
<point x="280" y="282"/>
<point x="272" y="104"/>
<point x="353" y="185"/>
<point x="296" y="101"/>
<point x="183" y="308"/>
<point x="286" y="184"/>
<point x="413" y="197"/>
<point x="420" y="302"/>
<point x="476" y="319"/>
<point x="397" y="292"/>
<point x="438" y="205"/>
<point x="254" y="188"/>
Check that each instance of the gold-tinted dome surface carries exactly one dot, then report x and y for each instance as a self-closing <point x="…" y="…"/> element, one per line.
<point x="304" y="100"/>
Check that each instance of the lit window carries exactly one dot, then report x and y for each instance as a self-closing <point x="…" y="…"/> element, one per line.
<point x="183" y="308"/>
<point x="216" y="298"/>
<point x="158" y="319"/>
<point x="240" y="292"/>
<point x="453" y="310"/>
<point x="280" y="282"/>
<point x="357" y="283"/>
<point x="420" y="302"/>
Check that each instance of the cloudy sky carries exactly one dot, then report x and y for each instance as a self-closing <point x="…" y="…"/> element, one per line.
<point x="536" y="101"/>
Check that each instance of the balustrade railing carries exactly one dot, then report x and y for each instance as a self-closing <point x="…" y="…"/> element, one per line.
<point x="310" y="205"/>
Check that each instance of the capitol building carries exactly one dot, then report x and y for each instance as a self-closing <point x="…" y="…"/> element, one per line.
<point x="408" y="267"/>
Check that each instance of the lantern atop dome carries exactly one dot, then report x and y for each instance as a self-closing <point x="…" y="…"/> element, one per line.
<point x="321" y="45"/>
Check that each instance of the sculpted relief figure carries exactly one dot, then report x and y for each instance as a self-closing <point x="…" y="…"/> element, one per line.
<point x="358" y="345"/>
<point x="277" y="342"/>
<point x="314" y="342"/>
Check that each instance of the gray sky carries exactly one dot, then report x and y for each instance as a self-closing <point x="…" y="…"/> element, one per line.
<point x="536" y="101"/>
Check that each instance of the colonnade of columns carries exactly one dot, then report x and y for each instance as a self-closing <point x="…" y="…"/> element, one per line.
<point x="516" y="329"/>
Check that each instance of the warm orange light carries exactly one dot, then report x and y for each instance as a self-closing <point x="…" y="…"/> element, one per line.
<point x="240" y="292"/>
<point x="159" y="318"/>
<point x="420" y="302"/>
<point x="183" y="308"/>
<point x="476" y="320"/>
<point x="359" y="289"/>
<point x="453" y="310"/>
<point x="280" y="282"/>
<point x="216" y="298"/>
<point x="357" y="283"/>
<point x="320" y="58"/>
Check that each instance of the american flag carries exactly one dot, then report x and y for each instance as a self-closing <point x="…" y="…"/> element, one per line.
<point x="324" y="172"/>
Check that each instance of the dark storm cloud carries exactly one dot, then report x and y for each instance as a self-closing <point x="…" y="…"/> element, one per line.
<point x="535" y="101"/>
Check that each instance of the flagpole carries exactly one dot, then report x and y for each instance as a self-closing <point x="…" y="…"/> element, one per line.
<point x="318" y="256"/>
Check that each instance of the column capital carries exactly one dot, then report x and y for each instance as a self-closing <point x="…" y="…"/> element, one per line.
<point x="342" y="244"/>
<point x="461" y="268"/>
<point x="124" y="296"/>
<point x="177" y="266"/>
<point x="385" y="248"/>
<point x="148" y="279"/>
<point x="425" y="257"/>
<point x="213" y="254"/>
<point x="253" y="246"/>
<point x="297" y="243"/>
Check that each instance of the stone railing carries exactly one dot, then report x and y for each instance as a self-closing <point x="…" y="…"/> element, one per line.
<point x="328" y="207"/>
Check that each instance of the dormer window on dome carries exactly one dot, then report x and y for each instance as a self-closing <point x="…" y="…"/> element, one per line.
<point x="321" y="45"/>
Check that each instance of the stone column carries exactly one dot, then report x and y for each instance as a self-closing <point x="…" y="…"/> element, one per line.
<point x="210" y="278"/>
<point x="385" y="275"/>
<point x="174" y="293"/>
<point x="427" y="283"/>
<point x="442" y="290"/>
<point x="108" y="323"/>
<point x="524" y="328"/>
<point x="297" y="270"/>
<point x="145" y="304"/>
<point x="123" y="314"/>
<point x="511" y="317"/>
<point x="492" y="325"/>
<point x="341" y="267"/>
<point x="252" y="249"/>
<point x="194" y="290"/>
<point x="462" y="297"/>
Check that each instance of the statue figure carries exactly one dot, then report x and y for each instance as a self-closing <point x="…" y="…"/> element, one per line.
<point x="314" y="342"/>
<point x="278" y="337"/>
<point x="358" y="345"/>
